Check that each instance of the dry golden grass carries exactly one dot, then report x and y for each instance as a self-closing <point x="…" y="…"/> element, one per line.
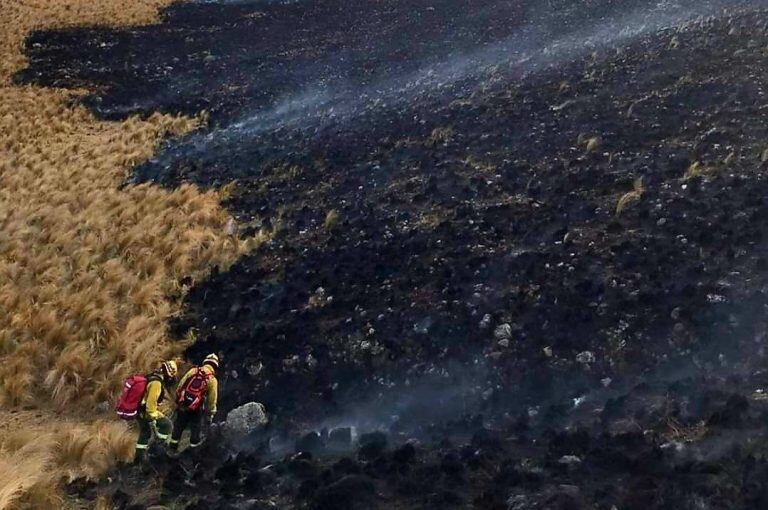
<point x="479" y="165"/>
<point x="698" y="169"/>
<point x="102" y="503"/>
<point x="332" y="218"/>
<point x="39" y="456"/>
<point x="439" y="136"/>
<point x="21" y="470"/>
<point x="629" y="198"/>
<point x="89" y="273"/>
<point x="591" y="144"/>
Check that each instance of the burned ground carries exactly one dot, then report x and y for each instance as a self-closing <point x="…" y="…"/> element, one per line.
<point x="559" y="246"/>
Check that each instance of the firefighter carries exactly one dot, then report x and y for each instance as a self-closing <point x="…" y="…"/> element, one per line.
<point x="151" y="420"/>
<point x="196" y="399"/>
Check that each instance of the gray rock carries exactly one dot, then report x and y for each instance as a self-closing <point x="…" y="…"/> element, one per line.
<point x="254" y="368"/>
<point x="503" y="332"/>
<point x="519" y="502"/>
<point x="245" y="419"/>
<point x="585" y="357"/>
<point x="569" y="460"/>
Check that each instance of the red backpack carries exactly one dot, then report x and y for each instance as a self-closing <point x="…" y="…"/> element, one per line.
<point x="130" y="399"/>
<point x="192" y="395"/>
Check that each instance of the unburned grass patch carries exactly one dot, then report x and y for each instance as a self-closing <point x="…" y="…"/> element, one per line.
<point x="90" y="269"/>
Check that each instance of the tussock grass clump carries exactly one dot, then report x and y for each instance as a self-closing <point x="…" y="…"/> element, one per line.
<point x="698" y="169"/>
<point x="34" y="461"/>
<point x="20" y="471"/>
<point x="332" y="218"/>
<point x="102" y="503"/>
<point x="629" y="198"/>
<point x="479" y="165"/>
<point x="440" y="135"/>
<point x="591" y="143"/>
<point x="89" y="272"/>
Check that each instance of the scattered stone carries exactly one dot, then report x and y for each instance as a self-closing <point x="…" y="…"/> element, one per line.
<point x="503" y="332"/>
<point x="569" y="460"/>
<point x="519" y="502"/>
<point x="422" y="327"/>
<point x="243" y="420"/>
<point x="585" y="357"/>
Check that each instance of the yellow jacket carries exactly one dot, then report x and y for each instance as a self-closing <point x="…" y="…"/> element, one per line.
<point x="211" y="390"/>
<point x="152" y="396"/>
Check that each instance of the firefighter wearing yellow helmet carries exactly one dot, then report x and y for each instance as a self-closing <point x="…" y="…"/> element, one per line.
<point x="149" y="417"/>
<point x="196" y="398"/>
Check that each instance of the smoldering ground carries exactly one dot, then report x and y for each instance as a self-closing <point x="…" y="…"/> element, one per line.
<point x="499" y="215"/>
<point x="233" y="65"/>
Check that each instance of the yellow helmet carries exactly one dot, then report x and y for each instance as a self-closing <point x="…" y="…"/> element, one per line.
<point x="212" y="360"/>
<point x="170" y="369"/>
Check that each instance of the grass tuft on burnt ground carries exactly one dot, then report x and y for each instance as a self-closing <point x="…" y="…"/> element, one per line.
<point x="567" y="248"/>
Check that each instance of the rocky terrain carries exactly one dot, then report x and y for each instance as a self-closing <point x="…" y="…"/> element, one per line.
<point x="518" y="253"/>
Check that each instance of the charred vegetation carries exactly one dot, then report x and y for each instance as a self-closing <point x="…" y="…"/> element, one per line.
<point x="533" y="254"/>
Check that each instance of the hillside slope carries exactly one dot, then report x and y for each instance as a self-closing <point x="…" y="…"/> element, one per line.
<point x="532" y="253"/>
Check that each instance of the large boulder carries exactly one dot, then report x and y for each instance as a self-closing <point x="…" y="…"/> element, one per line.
<point x="245" y="419"/>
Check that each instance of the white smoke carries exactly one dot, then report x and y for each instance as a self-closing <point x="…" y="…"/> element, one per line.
<point x="529" y="50"/>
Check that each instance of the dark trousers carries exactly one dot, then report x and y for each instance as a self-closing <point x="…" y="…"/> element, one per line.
<point x="162" y="430"/>
<point x="184" y="419"/>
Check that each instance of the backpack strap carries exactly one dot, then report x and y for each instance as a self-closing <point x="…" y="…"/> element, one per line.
<point x="154" y="376"/>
